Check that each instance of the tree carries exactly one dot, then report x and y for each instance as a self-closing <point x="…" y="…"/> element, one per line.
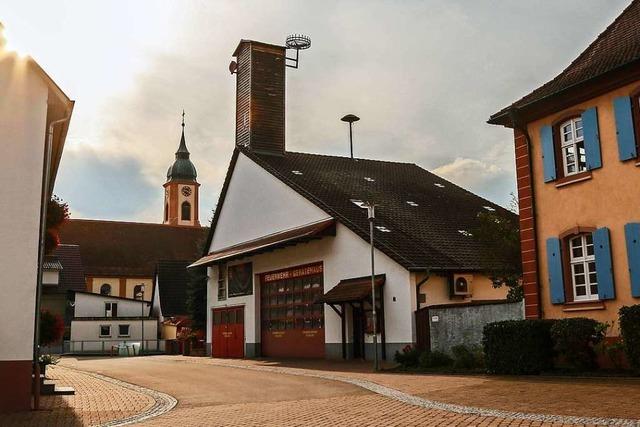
<point x="499" y="238"/>
<point x="197" y="297"/>
<point x="51" y="327"/>
<point x="57" y="215"/>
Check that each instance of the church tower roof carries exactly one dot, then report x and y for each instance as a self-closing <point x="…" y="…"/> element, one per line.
<point x="182" y="168"/>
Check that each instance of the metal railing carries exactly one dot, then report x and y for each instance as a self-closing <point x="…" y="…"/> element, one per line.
<point x="119" y="347"/>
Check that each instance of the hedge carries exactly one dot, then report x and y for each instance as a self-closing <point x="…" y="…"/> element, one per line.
<point x="630" y="331"/>
<point x="518" y="347"/>
<point x="574" y="340"/>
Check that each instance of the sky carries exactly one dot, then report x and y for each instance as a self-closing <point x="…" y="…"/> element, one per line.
<point x="423" y="76"/>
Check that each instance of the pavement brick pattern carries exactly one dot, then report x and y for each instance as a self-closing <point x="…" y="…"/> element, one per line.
<point x="97" y="401"/>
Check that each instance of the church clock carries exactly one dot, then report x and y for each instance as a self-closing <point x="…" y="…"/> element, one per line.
<point x="186" y="191"/>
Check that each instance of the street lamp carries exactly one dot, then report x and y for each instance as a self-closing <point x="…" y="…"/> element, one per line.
<point x="350" y="118"/>
<point x="371" y="215"/>
<point x="141" y="296"/>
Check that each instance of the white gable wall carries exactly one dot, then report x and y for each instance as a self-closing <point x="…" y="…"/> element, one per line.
<point x="258" y="204"/>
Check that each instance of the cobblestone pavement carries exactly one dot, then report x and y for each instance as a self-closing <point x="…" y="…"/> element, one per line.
<point x="214" y="392"/>
<point x="99" y="401"/>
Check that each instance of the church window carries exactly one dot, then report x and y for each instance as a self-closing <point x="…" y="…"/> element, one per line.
<point x="105" y="289"/>
<point x="186" y="211"/>
<point x="166" y="212"/>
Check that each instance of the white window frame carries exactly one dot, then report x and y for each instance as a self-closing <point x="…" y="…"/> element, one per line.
<point x="585" y="261"/>
<point x="109" y="312"/>
<point x="574" y="142"/>
<point x="100" y="331"/>
<point x="128" y="330"/>
<point x="222" y="283"/>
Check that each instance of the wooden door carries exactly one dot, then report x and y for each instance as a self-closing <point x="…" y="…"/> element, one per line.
<point x="228" y="332"/>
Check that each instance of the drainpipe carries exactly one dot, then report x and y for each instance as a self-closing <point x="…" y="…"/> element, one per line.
<point x="44" y="203"/>
<point x="516" y="121"/>
<point x="420" y="283"/>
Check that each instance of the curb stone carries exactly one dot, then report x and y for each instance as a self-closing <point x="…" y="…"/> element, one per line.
<point x="448" y="407"/>
<point x="163" y="402"/>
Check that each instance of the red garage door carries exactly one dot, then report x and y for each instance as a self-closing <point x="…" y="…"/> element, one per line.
<point x="228" y="332"/>
<point x="292" y="325"/>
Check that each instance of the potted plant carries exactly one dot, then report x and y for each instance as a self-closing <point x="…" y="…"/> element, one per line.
<point x="47" y="359"/>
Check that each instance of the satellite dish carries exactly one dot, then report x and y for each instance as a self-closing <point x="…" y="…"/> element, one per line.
<point x="233" y="67"/>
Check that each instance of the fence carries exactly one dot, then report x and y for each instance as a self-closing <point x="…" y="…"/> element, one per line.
<point x="444" y="326"/>
<point x="128" y="347"/>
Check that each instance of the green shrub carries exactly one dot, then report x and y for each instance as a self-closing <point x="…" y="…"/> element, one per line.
<point x="518" y="346"/>
<point x="630" y="331"/>
<point x="434" y="359"/>
<point x="467" y="357"/>
<point x="408" y="358"/>
<point x="574" y="341"/>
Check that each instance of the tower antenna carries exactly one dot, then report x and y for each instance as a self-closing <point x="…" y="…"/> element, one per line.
<point x="297" y="42"/>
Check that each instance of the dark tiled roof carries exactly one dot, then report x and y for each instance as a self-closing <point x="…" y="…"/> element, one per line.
<point x="113" y="248"/>
<point x="615" y="47"/>
<point x="72" y="273"/>
<point x="425" y="236"/>
<point x="51" y="262"/>
<point x="350" y="290"/>
<point x="172" y="287"/>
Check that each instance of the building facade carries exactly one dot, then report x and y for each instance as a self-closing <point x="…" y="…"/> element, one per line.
<point x="288" y="253"/>
<point x="34" y="116"/>
<point x="576" y="144"/>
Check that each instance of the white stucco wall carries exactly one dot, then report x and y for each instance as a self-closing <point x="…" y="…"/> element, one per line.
<point x="23" y="110"/>
<point x="257" y="205"/>
<point x="89" y="330"/>
<point x="92" y="305"/>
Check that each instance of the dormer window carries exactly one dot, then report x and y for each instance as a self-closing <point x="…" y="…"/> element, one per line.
<point x="572" y="146"/>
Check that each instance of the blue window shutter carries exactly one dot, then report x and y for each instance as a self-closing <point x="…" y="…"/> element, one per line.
<point x="604" y="268"/>
<point x="632" y="235"/>
<point x="554" y="264"/>
<point x="548" y="153"/>
<point x="591" y="138"/>
<point x="624" y="128"/>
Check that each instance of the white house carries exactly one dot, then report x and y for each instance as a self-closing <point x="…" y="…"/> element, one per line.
<point x="101" y="321"/>
<point x="34" y="117"/>
<point x="288" y="253"/>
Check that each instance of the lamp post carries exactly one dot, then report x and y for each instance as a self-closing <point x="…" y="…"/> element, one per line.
<point x="350" y="118"/>
<point x="371" y="214"/>
<point x="141" y="295"/>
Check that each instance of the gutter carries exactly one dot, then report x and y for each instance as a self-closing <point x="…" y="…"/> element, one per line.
<point x="44" y="203"/>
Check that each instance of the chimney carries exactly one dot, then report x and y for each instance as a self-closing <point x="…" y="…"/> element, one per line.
<point x="260" y="92"/>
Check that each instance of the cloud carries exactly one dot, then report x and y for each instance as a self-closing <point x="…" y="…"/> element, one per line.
<point x="485" y="179"/>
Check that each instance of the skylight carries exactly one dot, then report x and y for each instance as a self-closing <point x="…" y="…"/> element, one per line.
<point x="489" y="208"/>
<point x="437" y="184"/>
<point x="296" y="172"/>
<point x="410" y="203"/>
<point x="368" y="179"/>
<point x="358" y="203"/>
<point x="465" y="233"/>
<point x="383" y="228"/>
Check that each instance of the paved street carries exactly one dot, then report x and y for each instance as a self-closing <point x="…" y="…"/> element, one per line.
<point x="217" y="392"/>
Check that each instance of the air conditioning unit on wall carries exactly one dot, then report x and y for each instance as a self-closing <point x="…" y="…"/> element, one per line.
<point x="462" y="284"/>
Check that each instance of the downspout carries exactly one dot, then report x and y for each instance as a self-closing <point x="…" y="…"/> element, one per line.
<point x="516" y="121"/>
<point x="420" y="283"/>
<point x="44" y="203"/>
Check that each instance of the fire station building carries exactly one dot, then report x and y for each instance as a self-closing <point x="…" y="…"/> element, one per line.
<point x="288" y="252"/>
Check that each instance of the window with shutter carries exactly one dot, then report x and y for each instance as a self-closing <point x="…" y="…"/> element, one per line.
<point x="554" y="265"/>
<point x="632" y="237"/>
<point x="625" y="132"/>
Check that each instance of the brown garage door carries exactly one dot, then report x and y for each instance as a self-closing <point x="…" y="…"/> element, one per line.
<point x="292" y="325"/>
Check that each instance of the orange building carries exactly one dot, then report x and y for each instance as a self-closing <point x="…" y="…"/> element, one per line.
<point x="576" y="145"/>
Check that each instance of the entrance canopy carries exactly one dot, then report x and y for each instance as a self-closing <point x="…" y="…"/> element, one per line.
<point x="293" y="236"/>
<point x="352" y="290"/>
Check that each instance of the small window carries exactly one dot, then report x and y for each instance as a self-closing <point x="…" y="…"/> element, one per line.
<point x="138" y="292"/>
<point x="105" y="289"/>
<point x="574" y="159"/>
<point x="166" y="212"/>
<point x="110" y="309"/>
<point x="186" y="211"/>
<point x="123" y="330"/>
<point x="105" y="331"/>
<point x="583" y="268"/>
<point x="222" y="284"/>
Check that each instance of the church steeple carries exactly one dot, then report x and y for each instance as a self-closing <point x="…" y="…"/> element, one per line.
<point x="181" y="188"/>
